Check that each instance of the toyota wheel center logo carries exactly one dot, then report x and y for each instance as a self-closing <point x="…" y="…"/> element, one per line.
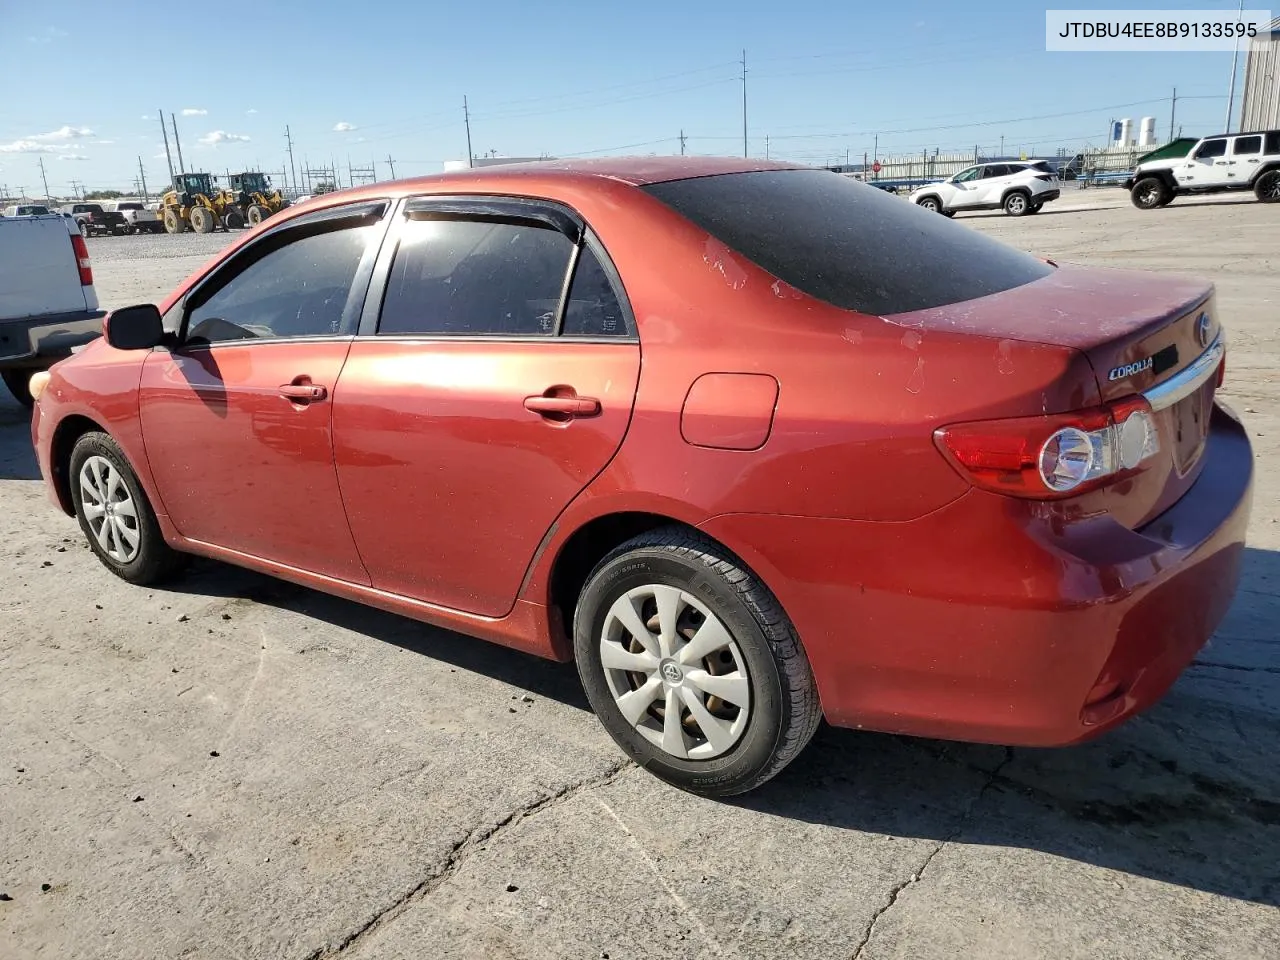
<point x="671" y="672"/>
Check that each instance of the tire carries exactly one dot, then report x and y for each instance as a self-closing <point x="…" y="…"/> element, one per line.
<point x="234" y="220"/>
<point x="257" y="213"/>
<point x="1150" y="193"/>
<point x="758" y="658"/>
<point x="1017" y="204"/>
<point x="100" y="475"/>
<point x="1267" y="187"/>
<point x="85" y="230"/>
<point x="930" y="203"/>
<point x="18" y="380"/>
<point x="947" y="213"/>
<point x="1035" y="208"/>
<point x="202" y="220"/>
<point x="172" y="222"/>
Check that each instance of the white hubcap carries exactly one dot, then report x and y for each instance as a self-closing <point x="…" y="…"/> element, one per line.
<point x="109" y="510"/>
<point x="675" y="672"/>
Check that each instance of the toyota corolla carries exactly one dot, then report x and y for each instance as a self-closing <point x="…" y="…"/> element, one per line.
<point x="753" y="445"/>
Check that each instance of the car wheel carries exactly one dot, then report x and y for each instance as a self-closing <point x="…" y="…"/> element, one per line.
<point x="18" y="380"/>
<point x="1016" y="204"/>
<point x="1035" y="208"/>
<point x="931" y="204"/>
<point x="947" y="213"/>
<point x="1267" y="187"/>
<point x="1149" y="193"/>
<point x="691" y="665"/>
<point x="84" y="230"/>
<point x="116" y="516"/>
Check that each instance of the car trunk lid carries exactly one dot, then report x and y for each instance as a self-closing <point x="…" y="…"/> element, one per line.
<point x="1142" y="334"/>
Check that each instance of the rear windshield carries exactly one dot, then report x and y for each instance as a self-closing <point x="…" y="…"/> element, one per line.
<point x="128" y="206"/>
<point x="847" y="243"/>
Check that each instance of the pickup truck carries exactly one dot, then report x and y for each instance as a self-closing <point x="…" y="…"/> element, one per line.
<point x="26" y="210"/>
<point x="1226" y="162"/>
<point x="138" y="217"/>
<point x="48" y="306"/>
<point x="91" y="219"/>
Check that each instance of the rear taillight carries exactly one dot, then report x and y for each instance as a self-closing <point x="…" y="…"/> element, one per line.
<point x="82" y="260"/>
<point x="1045" y="458"/>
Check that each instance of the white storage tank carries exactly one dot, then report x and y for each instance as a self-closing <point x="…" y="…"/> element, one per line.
<point x="1147" y="132"/>
<point x="1126" y="132"/>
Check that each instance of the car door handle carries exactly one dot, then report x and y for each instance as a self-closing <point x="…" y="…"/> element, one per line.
<point x="302" y="390"/>
<point x="563" y="407"/>
<point x="1220" y="163"/>
<point x="1252" y="160"/>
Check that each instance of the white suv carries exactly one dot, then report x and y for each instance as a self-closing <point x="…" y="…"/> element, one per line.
<point x="1241" y="161"/>
<point x="1017" y="187"/>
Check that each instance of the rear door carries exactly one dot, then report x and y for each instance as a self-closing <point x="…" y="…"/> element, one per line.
<point x="493" y="380"/>
<point x="995" y="177"/>
<point x="1245" y="158"/>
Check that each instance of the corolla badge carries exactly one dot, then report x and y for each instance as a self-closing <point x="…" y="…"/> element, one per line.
<point x="1129" y="369"/>
<point x="1203" y="328"/>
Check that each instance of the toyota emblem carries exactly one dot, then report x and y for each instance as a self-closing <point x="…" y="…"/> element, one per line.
<point x="1203" y="323"/>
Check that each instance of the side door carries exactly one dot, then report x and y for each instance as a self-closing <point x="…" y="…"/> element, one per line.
<point x="237" y="419"/>
<point x="493" y="379"/>
<point x="1205" y="167"/>
<point x="1245" y="158"/>
<point x="995" y="177"/>
<point x="964" y="189"/>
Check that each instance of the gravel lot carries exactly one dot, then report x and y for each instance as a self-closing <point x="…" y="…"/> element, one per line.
<point x="237" y="767"/>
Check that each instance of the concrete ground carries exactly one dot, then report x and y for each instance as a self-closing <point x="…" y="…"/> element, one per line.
<point x="236" y="767"/>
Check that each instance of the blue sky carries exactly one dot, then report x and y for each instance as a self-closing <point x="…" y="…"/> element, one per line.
<point x="561" y="78"/>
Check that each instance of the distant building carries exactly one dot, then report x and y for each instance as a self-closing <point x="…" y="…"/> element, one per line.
<point x="452" y="166"/>
<point x="1260" y="105"/>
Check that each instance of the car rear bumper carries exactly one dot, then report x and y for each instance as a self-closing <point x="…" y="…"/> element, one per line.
<point x="33" y="339"/>
<point x="989" y="620"/>
<point x="1044" y="196"/>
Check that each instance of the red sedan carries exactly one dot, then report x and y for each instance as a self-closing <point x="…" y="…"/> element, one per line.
<point x="754" y="445"/>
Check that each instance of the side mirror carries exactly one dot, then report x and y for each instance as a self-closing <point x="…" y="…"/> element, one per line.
<point x="134" y="328"/>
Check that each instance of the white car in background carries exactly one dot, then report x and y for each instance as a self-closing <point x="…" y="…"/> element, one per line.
<point x="1018" y="187"/>
<point x="139" y="217"/>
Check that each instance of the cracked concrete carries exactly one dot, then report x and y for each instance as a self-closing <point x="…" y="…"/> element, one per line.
<point x="382" y="790"/>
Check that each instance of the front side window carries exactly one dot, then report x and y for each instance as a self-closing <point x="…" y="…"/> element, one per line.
<point x="964" y="176"/>
<point x="1212" y="148"/>
<point x="299" y="289"/>
<point x="459" y="277"/>
<point x="1246" y="145"/>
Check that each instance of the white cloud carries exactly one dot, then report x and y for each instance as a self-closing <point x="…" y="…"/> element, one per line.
<point x="343" y="127"/>
<point x="194" y="112"/>
<point x="252" y="110"/>
<point x="61" y="134"/>
<point x="104" y="142"/>
<point x="72" y="156"/>
<point x="215" y="137"/>
<point x="145" y="117"/>
<point x="27" y="146"/>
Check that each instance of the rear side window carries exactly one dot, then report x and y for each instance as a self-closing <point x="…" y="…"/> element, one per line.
<point x="475" y="278"/>
<point x="991" y="171"/>
<point x="1243" y="145"/>
<point x="847" y="243"/>
<point x="1273" y="142"/>
<point x="593" y="309"/>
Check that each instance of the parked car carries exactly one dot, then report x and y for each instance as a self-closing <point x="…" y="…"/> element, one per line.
<point x="138" y="217"/>
<point x="875" y="466"/>
<point x="26" y="210"/>
<point x="1242" y="161"/>
<point x="93" y="219"/>
<point x="1018" y="188"/>
<point x="48" y="305"/>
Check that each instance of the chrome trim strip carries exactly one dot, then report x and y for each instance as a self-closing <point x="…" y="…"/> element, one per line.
<point x="1182" y="385"/>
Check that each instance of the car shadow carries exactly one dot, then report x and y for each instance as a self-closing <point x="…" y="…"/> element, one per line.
<point x="1186" y="794"/>
<point x="17" y="456"/>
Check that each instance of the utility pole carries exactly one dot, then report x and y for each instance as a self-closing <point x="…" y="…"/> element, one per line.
<point x="392" y="164"/>
<point x="875" y="149"/>
<point x="1002" y="145"/>
<point x="1173" y="109"/>
<point x="466" y="119"/>
<point x="77" y="189"/>
<point x="164" y="132"/>
<point x="47" y="198"/>
<point x="146" y="197"/>
<point x="682" y="140"/>
<point x="1235" y="61"/>
<point x="744" y="102"/>
<point x="293" y="171"/>
<point x="182" y="167"/>
<point x="766" y="146"/>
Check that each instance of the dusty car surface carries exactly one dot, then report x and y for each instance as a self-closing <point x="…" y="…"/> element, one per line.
<point x="752" y="444"/>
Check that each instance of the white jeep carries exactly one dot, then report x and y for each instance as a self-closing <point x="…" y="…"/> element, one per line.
<point x="1237" y="161"/>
